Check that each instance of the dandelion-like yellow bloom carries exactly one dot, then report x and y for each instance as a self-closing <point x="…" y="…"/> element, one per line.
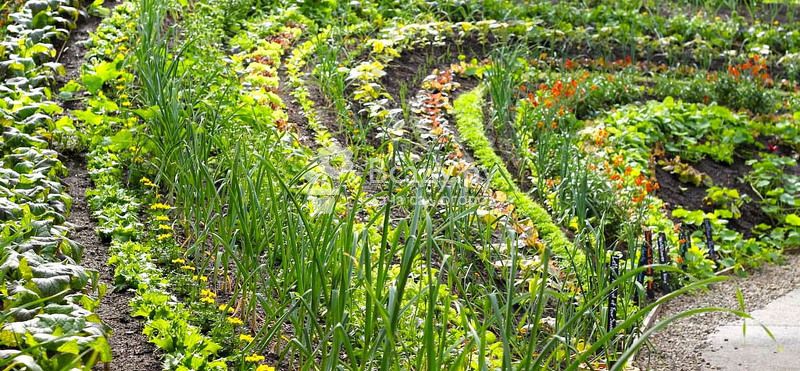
<point x="187" y="267"/>
<point x="164" y="236"/>
<point x="160" y="206"/>
<point x="207" y="300"/>
<point x="236" y="322"/>
<point x="254" y="358"/>
<point x="200" y="278"/>
<point x="178" y="261"/>
<point x="245" y="338"/>
<point x="207" y="293"/>
<point x="225" y="308"/>
<point x="162" y="218"/>
<point x="265" y="368"/>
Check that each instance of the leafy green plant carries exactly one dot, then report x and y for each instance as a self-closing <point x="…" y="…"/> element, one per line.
<point x="685" y="172"/>
<point x="728" y="201"/>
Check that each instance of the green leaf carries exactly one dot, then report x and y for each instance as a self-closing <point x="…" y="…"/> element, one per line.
<point x="793" y="219"/>
<point x="122" y="140"/>
<point x="65" y="124"/>
<point x="93" y="83"/>
<point x="70" y="347"/>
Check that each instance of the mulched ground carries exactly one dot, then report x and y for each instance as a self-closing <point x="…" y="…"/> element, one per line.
<point x="129" y="346"/>
<point x="677" y="194"/>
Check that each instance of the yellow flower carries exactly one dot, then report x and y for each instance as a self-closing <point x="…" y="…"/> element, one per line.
<point x="162" y="218"/>
<point x="165" y="227"/>
<point x="207" y="300"/>
<point x="225" y="308"/>
<point x="200" y="278"/>
<point x="164" y="236"/>
<point x="178" y="261"/>
<point x="254" y="358"/>
<point x="245" y="338"/>
<point x="159" y="206"/>
<point x="187" y="267"/>
<point x="235" y="321"/>
<point x="265" y="368"/>
<point x="207" y="293"/>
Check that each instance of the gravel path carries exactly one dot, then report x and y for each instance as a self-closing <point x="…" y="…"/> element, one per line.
<point x="682" y="345"/>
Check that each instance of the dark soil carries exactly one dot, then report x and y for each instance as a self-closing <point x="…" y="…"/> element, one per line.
<point x="412" y="67"/>
<point x="326" y="115"/>
<point x="129" y="347"/>
<point x="297" y="119"/>
<point x="678" y="194"/>
<point x="73" y="51"/>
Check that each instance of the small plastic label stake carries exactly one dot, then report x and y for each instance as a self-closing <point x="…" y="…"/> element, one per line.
<point x="686" y="242"/>
<point x="712" y="253"/>
<point x="663" y="258"/>
<point x="612" y="296"/>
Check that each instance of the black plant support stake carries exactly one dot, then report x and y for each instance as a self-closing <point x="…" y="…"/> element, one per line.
<point x="648" y="260"/>
<point x="709" y="240"/>
<point x="686" y="242"/>
<point x="663" y="258"/>
<point x="612" y="296"/>
<point x="640" y="276"/>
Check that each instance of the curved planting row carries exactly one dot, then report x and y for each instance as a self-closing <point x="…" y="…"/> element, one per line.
<point x="615" y="197"/>
<point x="434" y="193"/>
<point x="48" y="298"/>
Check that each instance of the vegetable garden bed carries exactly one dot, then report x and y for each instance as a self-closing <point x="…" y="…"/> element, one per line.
<point x="386" y="185"/>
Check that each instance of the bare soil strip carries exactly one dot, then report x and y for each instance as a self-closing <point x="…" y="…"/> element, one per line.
<point x="129" y="346"/>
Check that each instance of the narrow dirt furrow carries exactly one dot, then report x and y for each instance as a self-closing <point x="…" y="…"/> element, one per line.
<point x="130" y="349"/>
<point x="129" y="346"/>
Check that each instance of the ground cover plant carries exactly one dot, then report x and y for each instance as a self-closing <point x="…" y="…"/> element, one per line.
<point x="388" y="184"/>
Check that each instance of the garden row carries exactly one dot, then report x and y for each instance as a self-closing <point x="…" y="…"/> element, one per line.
<point x="367" y="186"/>
<point x="48" y="299"/>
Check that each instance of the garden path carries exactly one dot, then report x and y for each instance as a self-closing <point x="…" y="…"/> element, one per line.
<point x="688" y="344"/>
<point x="730" y="349"/>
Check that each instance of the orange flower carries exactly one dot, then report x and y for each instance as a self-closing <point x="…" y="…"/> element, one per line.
<point x="600" y="137"/>
<point x="556" y="90"/>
